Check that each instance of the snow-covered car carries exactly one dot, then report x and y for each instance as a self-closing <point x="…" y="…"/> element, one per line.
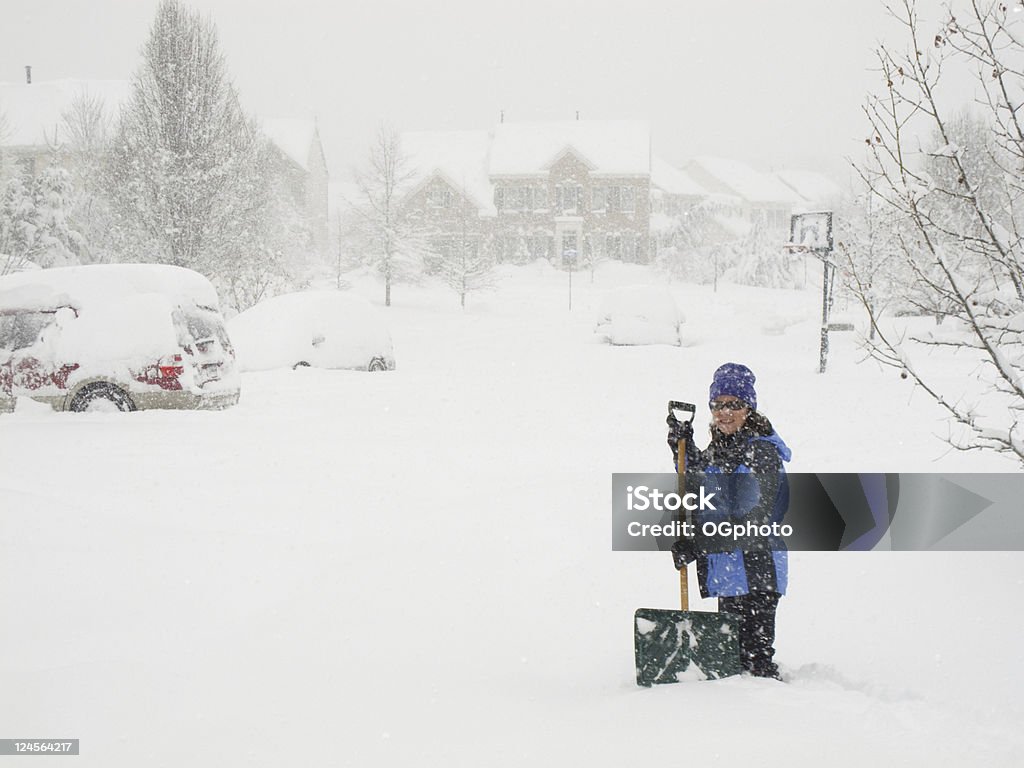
<point x="322" y="329"/>
<point x="637" y="315"/>
<point x="119" y="337"/>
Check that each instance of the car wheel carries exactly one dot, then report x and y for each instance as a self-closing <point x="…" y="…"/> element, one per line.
<point x="377" y="364"/>
<point x="300" y="364"/>
<point x="101" y="398"/>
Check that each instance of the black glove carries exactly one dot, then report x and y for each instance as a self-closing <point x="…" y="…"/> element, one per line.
<point x="678" y="430"/>
<point x="683" y="553"/>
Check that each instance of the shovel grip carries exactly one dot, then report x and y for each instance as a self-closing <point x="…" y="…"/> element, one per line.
<point x="691" y="409"/>
<point x="684" y="579"/>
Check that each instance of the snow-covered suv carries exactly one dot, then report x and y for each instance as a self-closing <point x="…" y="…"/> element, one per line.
<point x="115" y="337"/>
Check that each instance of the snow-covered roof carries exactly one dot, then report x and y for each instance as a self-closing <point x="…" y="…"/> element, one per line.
<point x="815" y="188"/>
<point x="743" y="181"/>
<point x="610" y="147"/>
<point x="674" y="181"/>
<point x="32" y="113"/>
<point x="459" y="157"/>
<point x="293" y="136"/>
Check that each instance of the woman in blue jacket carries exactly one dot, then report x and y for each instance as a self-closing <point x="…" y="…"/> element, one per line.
<point x="743" y="467"/>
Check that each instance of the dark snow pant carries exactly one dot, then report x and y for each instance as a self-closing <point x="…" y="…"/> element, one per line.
<point x="757" y="630"/>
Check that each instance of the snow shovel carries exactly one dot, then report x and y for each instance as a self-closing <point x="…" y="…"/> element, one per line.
<point x="673" y="646"/>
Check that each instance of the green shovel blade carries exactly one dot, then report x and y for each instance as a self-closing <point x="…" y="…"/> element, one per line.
<point x="673" y="646"/>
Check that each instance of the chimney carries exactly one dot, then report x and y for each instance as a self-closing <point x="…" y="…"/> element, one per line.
<point x="28" y="74"/>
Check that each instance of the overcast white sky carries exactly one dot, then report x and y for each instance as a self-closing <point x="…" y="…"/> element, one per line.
<point x="773" y="83"/>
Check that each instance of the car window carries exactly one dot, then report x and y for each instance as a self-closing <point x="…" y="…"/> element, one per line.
<point x="22" y="329"/>
<point x="199" y="326"/>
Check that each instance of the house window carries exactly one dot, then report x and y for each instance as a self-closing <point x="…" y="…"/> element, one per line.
<point x="628" y="199"/>
<point x="439" y="196"/>
<point x="569" y="198"/>
<point x="499" y="198"/>
<point x="613" y="246"/>
<point x="513" y="249"/>
<point x="569" y="246"/>
<point x="513" y="199"/>
<point x="443" y="246"/>
<point x="540" y="197"/>
<point x="614" y="198"/>
<point x="537" y="246"/>
<point x="629" y="247"/>
<point x="598" y="199"/>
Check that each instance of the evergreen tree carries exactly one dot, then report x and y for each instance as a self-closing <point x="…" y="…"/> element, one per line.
<point x="189" y="180"/>
<point x="34" y="223"/>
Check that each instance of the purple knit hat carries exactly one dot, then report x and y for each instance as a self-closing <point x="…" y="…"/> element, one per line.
<point x="736" y="380"/>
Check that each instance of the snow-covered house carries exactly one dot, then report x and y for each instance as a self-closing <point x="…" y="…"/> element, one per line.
<point x="36" y="118"/>
<point x="35" y="128"/>
<point x="447" y="185"/>
<point x="817" y="191"/>
<point x="673" y="190"/>
<point x="761" y="197"/>
<point x="578" y="187"/>
<point x="303" y="170"/>
<point x="683" y="212"/>
<point x="538" y="190"/>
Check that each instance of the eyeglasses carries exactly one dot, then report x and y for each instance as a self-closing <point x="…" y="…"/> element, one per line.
<point x="729" y="405"/>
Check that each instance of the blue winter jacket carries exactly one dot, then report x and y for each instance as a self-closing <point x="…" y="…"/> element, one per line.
<point x="745" y="472"/>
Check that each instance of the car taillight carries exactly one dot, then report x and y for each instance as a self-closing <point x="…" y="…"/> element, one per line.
<point x="170" y="367"/>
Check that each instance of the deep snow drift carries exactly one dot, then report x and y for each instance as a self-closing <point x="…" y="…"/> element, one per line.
<point x="414" y="567"/>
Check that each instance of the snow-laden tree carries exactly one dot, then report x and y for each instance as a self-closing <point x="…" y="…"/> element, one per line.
<point x="391" y="237"/>
<point x="188" y="173"/>
<point x="699" y="243"/>
<point x="867" y="257"/>
<point x="17" y="223"/>
<point x="960" y="199"/>
<point x="56" y="241"/>
<point x="761" y="261"/>
<point x="34" y="224"/>
<point x="271" y="255"/>
<point x="466" y="267"/>
<point x="87" y="126"/>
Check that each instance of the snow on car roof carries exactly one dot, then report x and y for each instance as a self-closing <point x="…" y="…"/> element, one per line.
<point x="98" y="284"/>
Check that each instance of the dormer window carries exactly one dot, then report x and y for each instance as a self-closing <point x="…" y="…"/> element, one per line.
<point x="569" y="198"/>
<point x="439" y="196"/>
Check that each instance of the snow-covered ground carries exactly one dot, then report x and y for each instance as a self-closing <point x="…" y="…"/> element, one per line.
<point x="414" y="568"/>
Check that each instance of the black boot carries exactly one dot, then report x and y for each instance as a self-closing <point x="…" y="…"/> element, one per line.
<point x="756" y="611"/>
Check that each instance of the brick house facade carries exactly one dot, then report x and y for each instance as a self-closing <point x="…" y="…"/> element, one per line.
<point x="539" y="190"/>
